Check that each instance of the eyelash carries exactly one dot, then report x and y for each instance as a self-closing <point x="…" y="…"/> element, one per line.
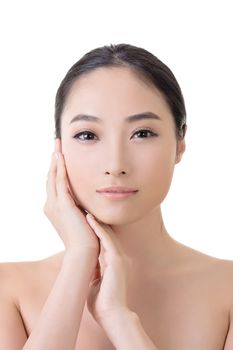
<point x="89" y="132"/>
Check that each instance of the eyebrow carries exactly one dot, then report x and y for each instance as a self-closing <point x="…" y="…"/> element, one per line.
<point x="129" y="119"/>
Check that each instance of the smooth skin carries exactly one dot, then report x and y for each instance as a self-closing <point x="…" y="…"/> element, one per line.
<point x="124" y="260"/>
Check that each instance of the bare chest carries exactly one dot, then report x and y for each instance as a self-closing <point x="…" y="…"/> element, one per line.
<point x="176" y="313"/>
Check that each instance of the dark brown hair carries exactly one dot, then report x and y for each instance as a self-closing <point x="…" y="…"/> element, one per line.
<point x="147" y="66"/>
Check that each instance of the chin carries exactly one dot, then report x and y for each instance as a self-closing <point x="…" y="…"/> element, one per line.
<point x="124" y="213"/>
<point x="116" y="219"/>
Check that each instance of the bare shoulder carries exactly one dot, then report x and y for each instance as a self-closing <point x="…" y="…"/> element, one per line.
<point x="222" y="271"/>
<point x="203" y="267"/>
<point x="21" y="282"/>
<point x="14" y="276"/>
<point x="222" y="275"/>
<point x="196" y="259"/>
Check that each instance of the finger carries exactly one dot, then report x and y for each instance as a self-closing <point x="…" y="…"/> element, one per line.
<point x="71" y="192"/>
<point x="58" y="149"/>
<point x="57" y="144"/>
<point x="65" y="183"/>
<point x="51" y="178"/>
<point x="106" y="235"/>
<point x="97" y="271"/>
<point x="61" y="178"/>
<point x="62" y="173"/>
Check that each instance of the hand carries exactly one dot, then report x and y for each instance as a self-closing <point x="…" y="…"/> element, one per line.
<point x="67" y="218"/>
<point x="108" y="292"/>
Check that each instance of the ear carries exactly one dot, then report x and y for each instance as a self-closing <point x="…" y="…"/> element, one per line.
<point x="180" y="149"/>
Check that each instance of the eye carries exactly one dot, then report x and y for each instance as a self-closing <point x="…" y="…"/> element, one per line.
<point x="86" y="134"/>
<point x="86" y="138"/>
<point x="145" y="131"/>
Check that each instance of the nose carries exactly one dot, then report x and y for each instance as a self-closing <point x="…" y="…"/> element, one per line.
<point x="114" y="173"/>
<point x="116" y="163"/>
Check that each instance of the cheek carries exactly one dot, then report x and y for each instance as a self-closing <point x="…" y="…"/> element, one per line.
<point x="157" y="173"/>
<point x="79" y="176"/>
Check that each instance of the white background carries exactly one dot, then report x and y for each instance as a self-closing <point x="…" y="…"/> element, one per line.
<point x="40" y="40"/>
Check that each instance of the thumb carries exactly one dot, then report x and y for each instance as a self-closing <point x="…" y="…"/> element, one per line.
<point x="94" y="288"/>
<point x="97" y="273"/>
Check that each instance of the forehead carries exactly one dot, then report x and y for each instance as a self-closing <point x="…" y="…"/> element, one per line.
<point x="113" y="91"/>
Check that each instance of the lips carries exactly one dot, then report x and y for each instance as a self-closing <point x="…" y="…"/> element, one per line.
<point x="117" y="189"/>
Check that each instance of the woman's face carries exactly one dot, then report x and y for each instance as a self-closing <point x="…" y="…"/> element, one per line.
<point x="113" y="151"/>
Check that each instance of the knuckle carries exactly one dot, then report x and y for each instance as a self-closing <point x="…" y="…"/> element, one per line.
<point x="60" y="176"/>
<point x="62" y="206"/>
<point x="49" y="173"/>
<point x="45" y="209"/>
<point x="48" y="207"/>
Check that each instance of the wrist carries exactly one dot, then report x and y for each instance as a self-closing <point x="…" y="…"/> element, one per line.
<point x="119" y="315"/>
<point x="77" y="254"/>
<point x="125" y="331"/>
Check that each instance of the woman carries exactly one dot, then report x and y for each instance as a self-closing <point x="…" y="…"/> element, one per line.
<point x="122" y="281"/>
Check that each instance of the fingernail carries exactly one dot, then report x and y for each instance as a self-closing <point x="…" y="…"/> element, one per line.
<point x="90" y="216"/>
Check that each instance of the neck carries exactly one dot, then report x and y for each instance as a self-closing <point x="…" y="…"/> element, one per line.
<point x="145" y="242"/>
